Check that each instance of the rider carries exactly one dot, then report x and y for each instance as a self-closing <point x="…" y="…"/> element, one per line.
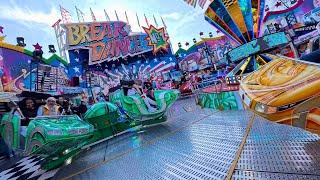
<point x="29" y="110"/>
<point x="134" y="88"/>
<point x="82" y="108"/>
<point x="65" y="106"/>
<point x="50" y="108"/>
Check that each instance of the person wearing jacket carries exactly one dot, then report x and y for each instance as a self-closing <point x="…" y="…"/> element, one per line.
<point x="50" y="108"/>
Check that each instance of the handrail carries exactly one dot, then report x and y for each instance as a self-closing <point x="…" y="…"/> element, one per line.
<point x="208" y="84"/>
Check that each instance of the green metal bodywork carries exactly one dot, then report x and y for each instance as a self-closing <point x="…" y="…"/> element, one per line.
<point x="135" y="106"/>
<point x="221" y="101"/>
<point x="57" y="132"/>
<point x="58" y="138"/>
<point x="10" y="129"/>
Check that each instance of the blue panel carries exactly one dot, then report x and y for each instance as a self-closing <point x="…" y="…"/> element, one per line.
<point x="220" y="29"/>
<point x="258" y="45"/>
<point x="245" y="7"/>
<point x="261" y="13"/>
<point x="219" y="8"/>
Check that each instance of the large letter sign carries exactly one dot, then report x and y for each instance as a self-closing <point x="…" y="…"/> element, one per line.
<point x="106" y="41"/>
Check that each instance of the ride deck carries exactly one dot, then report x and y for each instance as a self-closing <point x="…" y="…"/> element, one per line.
<point x="202" y="144"/>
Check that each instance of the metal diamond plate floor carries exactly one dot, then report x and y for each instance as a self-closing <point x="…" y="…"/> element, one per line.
<point x="200" y="143"/>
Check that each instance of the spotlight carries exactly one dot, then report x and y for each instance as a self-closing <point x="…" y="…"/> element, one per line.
<point x="52" y="49"/>
<point x="20" y="41"/>
<point x="187" y="44"/>
<point x="194" y="40"/>
<point x="210" y="34"/>
<point x="38" y="54"/>
<point x="179" y="45"/>
<point x="201" y="33"/>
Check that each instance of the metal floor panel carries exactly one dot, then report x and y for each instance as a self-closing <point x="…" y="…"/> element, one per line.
<point x="280" y="151"/>
<point x="252" y="175"/>
<point x="202" y="144"/>
<point x="177" y="118"/>
<point x="204" y="150"/>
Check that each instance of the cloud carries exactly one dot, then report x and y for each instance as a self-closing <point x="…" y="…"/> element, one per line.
<point x="182" y="25"/>
<point x="173" y="16"/>
<point x="25" y="15"/>
<point x="185" y="20"/>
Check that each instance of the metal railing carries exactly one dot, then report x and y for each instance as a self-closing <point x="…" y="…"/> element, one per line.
<point x="207" y="83"/>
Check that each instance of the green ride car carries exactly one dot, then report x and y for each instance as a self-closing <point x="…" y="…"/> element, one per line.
<point x="59" y="139"/>
<point x="137" y="109"/>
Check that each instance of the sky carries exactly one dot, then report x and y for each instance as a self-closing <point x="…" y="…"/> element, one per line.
<point x="32" y="19"/>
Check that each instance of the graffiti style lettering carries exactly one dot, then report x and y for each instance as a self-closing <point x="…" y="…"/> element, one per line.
<point x="77" y="34"/>
<point x="97" y="32"/>
<point x="157" y="38"/>
<point x="107" y="40"/>
<point x="97" y="50"/>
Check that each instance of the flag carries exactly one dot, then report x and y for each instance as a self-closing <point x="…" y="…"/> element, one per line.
<point x="191" y="2"/>
<point x="125" y="12"/>
<point x="155" y="21"/>
<point x="201" y="3"/>
<point x="93" y="16"/>
<point x="146" y="20"/>
<point x="116" y="15"/>
<point x="164" y="24"/>
<point x="138" y="20"/>
<point x="80" y="15"/>
<point x="65" y="14"/>
<point x="106" y="14"/>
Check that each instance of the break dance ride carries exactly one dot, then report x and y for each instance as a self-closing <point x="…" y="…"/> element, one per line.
<point x="60" y="138"/>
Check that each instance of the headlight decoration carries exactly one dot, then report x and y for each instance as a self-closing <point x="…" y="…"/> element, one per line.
<point x="78" y="131"/>
<point x="262" y="108"/>
<point x="54" y="132"/>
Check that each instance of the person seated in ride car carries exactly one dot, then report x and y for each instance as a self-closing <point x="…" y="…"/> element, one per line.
<point x="136" y="89"/>
<point x="29" y="110"/>
<point x="149" y="91"/>
<point x="65" y="106"/>
<point x="50" y="108"/>
<point x="82" y="108"/>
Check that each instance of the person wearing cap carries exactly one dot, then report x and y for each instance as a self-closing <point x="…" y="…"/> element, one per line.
<point x="50" y="108"/>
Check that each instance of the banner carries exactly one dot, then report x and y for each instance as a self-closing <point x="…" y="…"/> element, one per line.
<point x="201" y="3"/>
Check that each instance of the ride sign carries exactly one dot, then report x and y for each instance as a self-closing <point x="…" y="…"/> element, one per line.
<point x="157" y="38"/>
<point x="106" y="41"/>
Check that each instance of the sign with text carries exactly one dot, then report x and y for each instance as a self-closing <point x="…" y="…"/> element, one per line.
<point x="106" y="41"/>
<point x="157" y="38"/>
<point x="257" y="46"/>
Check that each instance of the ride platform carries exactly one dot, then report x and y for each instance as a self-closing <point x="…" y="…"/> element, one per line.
<point x="196" y="143"/>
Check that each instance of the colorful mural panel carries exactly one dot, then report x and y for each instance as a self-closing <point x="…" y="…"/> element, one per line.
<point x="16" y="64"/>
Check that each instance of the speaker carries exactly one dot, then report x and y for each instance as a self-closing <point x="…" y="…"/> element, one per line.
<point x="75" y="81"/>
